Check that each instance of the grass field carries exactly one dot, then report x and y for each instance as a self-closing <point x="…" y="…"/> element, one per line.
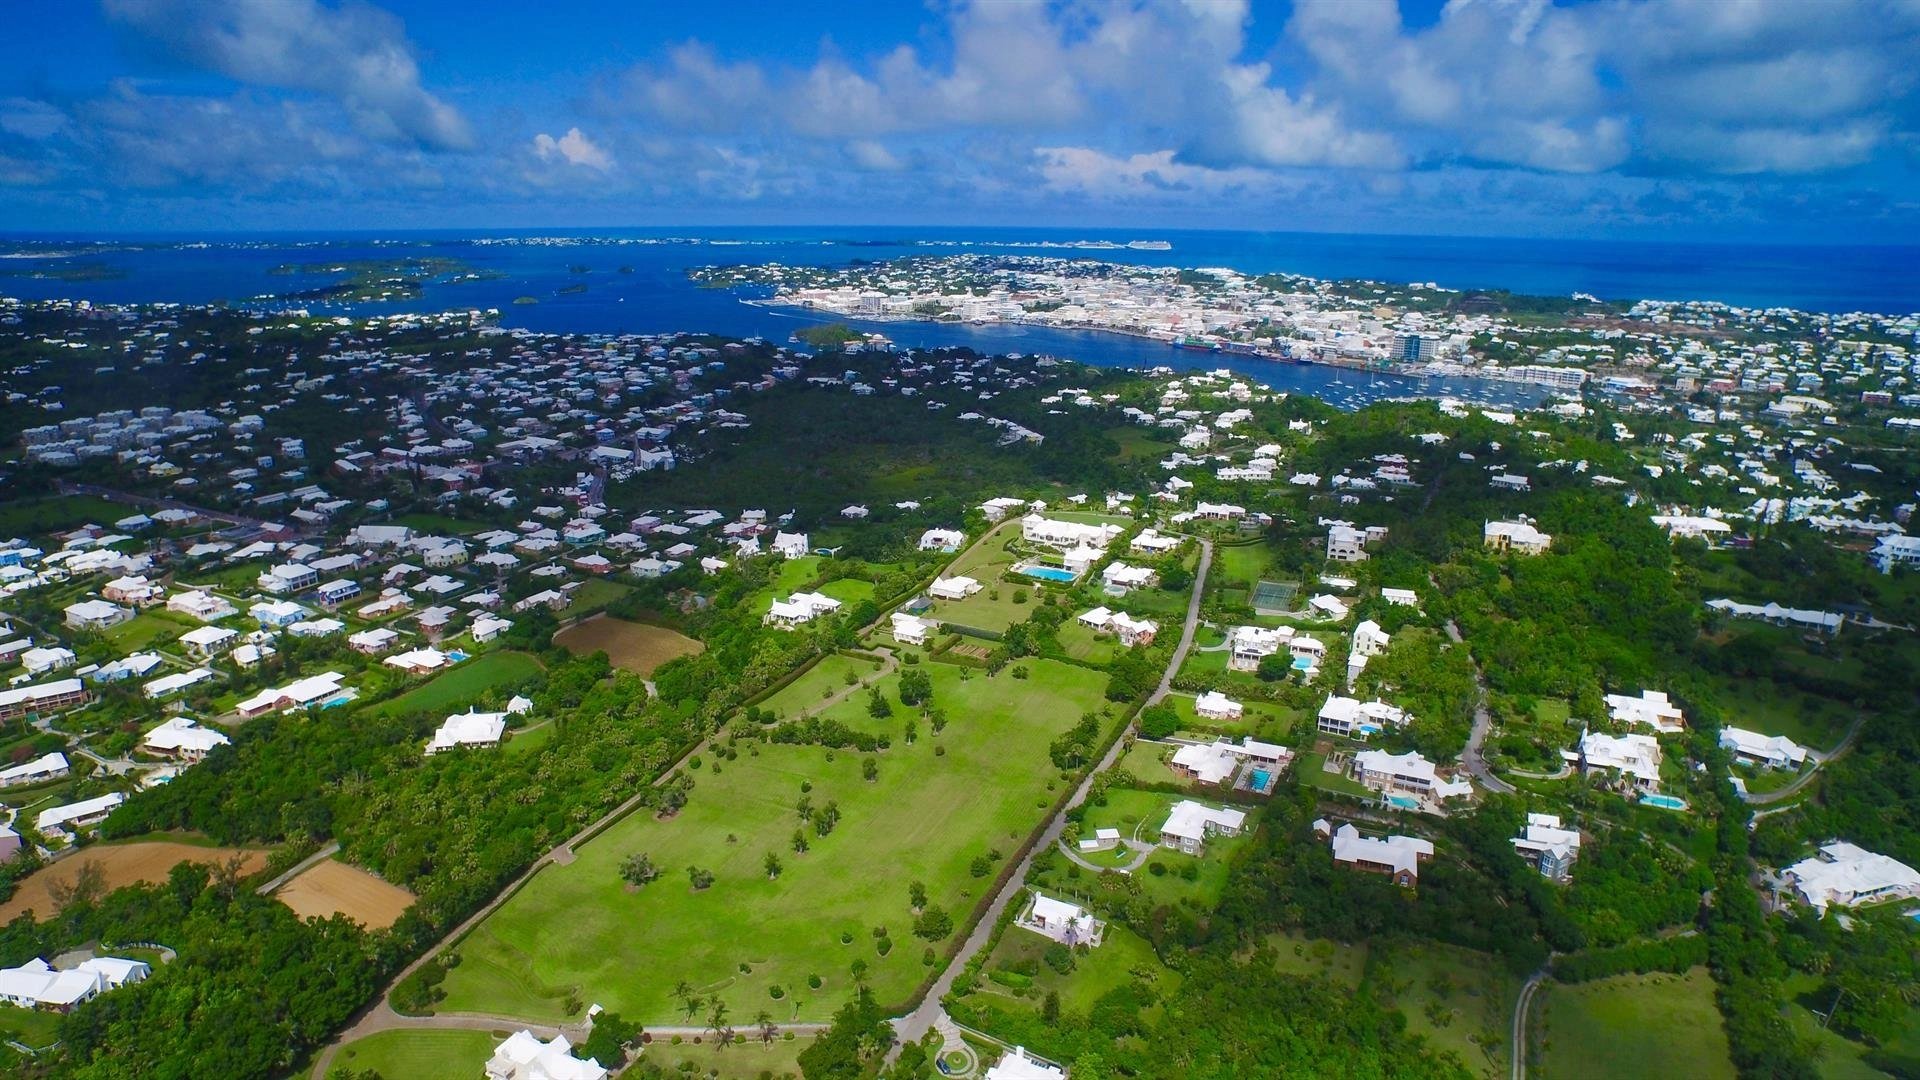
<point x="1841" y="1058"/>
<point x="143" y="631"/>
<point x="740" y="1061"/>
<point x="465" y="683"/>
<point x="1146" y="760"/>
<point x="1346" y="965"/>
<point x="29" y="1027"/>
<point x="331" y="887"/>
<point x="632" y="646"/>
<point x="121" y="864"/>
<point x="1459" y="1000"/>
<point x="438" y="523"/>
<point x="1260" y="719"/>
<point x="992" y="608"/>
<point x="1633" y="1025"/>
<point x="1121" y="954"/>
<point x="1311" y="769"/>
<point x="29" y="517"/>
<point x="925" y="818"/>
<point x="822" y="680"/>
<point x="419" y="1054"/>
<point x="1772" y="709"/>
<point x="848" y="590"/>
<point x="594" y="594"/>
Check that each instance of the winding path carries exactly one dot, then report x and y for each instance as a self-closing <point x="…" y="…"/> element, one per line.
<point x="1472" y="756"/>
<point x="1519" y="1034"/>
<point x="1820" y="760"/>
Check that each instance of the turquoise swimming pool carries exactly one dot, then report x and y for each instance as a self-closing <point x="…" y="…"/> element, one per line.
<point x="1664" y="802"/>
<point x="1049" y="573"/>
<point x="1403" y="802"/>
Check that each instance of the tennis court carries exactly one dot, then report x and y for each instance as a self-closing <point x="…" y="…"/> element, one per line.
<point x="1274" y="596"/>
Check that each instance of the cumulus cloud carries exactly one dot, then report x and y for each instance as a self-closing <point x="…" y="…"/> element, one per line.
<point x="356" y="55"/>
<point x="1085" y="171"/>
<point x="574" y="148"/>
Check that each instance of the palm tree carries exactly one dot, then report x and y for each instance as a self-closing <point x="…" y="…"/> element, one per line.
<point x="689" y="1001"/>
<point x="717" y="1021"/>
<point x="768" y="1029"/>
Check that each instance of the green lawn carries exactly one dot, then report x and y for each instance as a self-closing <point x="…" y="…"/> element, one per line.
<point x="1096" y="972"/>
<point x="926" y="817"/>
<point x="439" y="523"/>
<point x="526" y="742"/>
<point x="1633" y="1025"/>
<point x="1346" y="965"/>
<point x="1240" y="564"/>
<point x="595" y="594"/>
<point x="1310" y="769"/>
<point x="419" y="1054"/>
<point x="30" y="1027"/>
<point x="1146" y="761"/>
<point x="1841" y="1058"/>
<point x="848" y="590"/>
<point x="33" y="517"/>
<point x="1772" y="709"/>
<point x="790" y="576"/>
<point x="1458" y="999"/>
<point x="143" y="631"/>
<point x="1081" y="643"/>
<point x="739" y="1061"/>
<point x="1261" y="719"/>
<point x="464" y="683"/>
<point x="822" y="680"/>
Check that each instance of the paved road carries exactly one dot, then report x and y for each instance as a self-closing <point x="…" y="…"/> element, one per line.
<point x="914" y="1026"/>
<point x="1519" y="1034"/>
<point x="327" y="852"/>
<point x="1472" y="757"/>
<point x="1820" y="760"/>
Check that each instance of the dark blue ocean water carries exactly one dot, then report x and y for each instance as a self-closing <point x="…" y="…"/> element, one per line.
<point x="655" y="296"/>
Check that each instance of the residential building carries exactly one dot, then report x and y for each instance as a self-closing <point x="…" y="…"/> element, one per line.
<point x="1408" y="774"/>
<point x="288" y="578"/>
<point x="1650" y="709"/>
<point x="183" y="738"/>
<point x="801" y="607"/>
<point x="471" y="728"/>
<point x="942" y="540"/>
<point x="96" y="615"/>
<point x="1129" y="630"/>
<point x="1764" y="751"/>
<point x="953" y="588"/>
<point x="790" y="545"/>
<point x="1252" y="644"/>
<point x="1519" y="537"/>
<point x="1634" y="756"/>
<point x="42" y="700"/>
<point x="1214" y="705"/>
<point x="38" y="985"/>
<point x="524" y="1057"/>
<point x="1191" y="824"/>
<point x="1017" y="1064"/>
<point x="1205" y="763"/>
<point x="46" y="767"/>
<point x="911" y="629"/>
<point x="59" y="820"/>
<point x="1350" y="718"/>
<point x="299" y="694"/>
<point x="1066" y="923"/>
<point x="1398" y="857"/>
<point x="1065" y="535"/>
<point x="204" y="606"/>
<point x="1847" y="875"/>
<point x="1548" y="847"/>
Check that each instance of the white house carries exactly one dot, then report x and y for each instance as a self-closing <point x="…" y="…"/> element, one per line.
<point x="1252" y="644"/>
<point x="1129" y="630"/>
<point x="911" y="629"/>
<point x="1214" y="705"/>
<point x="181" y="737"/>
<point x="1516" y="536"/>
<point x="174" y="682"/>
<point x="1064" y="535"/>
<point x="46" y="767"/>
<point x="1017" y="1064"/>
<point x="1635" y="756"/>
<point x="200" y="605"/>
<point x="42" y="659"/>
<point x="38" y="985"/>
<point x="1398" y="857"/>
<point x="471" y="728"/>
<point x="1153" y="542"/>
<point x="1548" y="847"/>
<point x="1409" y="774"/>
<point x="1766" y="751"/>
<point x="1208" y="763"/>
<point x="1119" y="576"/>
<point x="209" y="641"/>
<point x="418" y="661"/>
<point x="790" y="545"/>
<point x="288" y="578"/>
<point x="295" y="695"/>
<point x="1847" y="875"/>
<point x="77" y="815"/>
<point x="96" y="615"/>
<point x="1402" y="597"/>
<point x="801" y="607"/>
<point x="1650" y="709"/>
<point x="1191" y="824"/>
<point x="953" y="588"/>
<point x="1350" y="718"/>
<point x="1346" y="543"/>
<point x="1069" y="924"/>
<point x="1369" y="641"/>
<point x="524" y="1057"/>
<point x="942" y="540"/>
<point x="1896" y="551"/>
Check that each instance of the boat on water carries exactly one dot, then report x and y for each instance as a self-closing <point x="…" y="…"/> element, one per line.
<point x="1188" y="341"/>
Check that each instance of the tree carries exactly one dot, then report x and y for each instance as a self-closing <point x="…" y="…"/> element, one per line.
<point x="638" y="869"/>
<point x="699" y="878"/>
<point x="799" y="842"/>
<point x="916" y="686"/>
<point x="911" y="733"/>
<point x="89" y="884"/>
<point x="1159" y="721"/>
<point x="772" y="863"/>
<point x="933" y="924"/>
<point x="1050" y="1008"/>
<point x="858" y="969"/>
<point x="877" y="706"/>
<point x="1274" y="668"/>
<point x="608" y="1041"/>
<point x="870" y="769"/>
<point x="937" y="718"/>
<point x="917" y="895"/>
<point x="717" y="1021"/>
<point x="804" y="808"/>
<point x="763" y="1020"/>
<point x="689" y="1001"/>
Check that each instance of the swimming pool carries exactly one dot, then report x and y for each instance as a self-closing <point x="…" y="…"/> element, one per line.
<point x="338" y="699"/>
<point x="1050" y="573"/>
<point x="1664" y="802"/>
<point x="1403" y="802"/>
<point x="1303" y="663"/>
<point x="456" y="656"/>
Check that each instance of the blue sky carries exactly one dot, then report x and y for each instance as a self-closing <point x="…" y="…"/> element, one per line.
<point x="1702" y="119"/>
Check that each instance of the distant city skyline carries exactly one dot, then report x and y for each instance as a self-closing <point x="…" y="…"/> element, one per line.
<point x="1629" y="119"/>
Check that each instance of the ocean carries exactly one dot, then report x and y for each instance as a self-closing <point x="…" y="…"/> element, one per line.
<point x="636" y="280"/>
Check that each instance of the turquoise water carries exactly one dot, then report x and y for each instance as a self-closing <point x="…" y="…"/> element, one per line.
<point x="456" y="656"/>
<point x="1049" y="573"/>
<point x="1403" y="802"/>
<point x="1664" y="802"/>
<point x="337" y="700"/>
<point x="1302" y="663"/>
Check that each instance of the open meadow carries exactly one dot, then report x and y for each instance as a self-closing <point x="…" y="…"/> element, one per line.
<point x="1632" y="1025"/>
<point x="935" y="806"/>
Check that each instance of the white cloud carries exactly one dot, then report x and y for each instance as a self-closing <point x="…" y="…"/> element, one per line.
<point x="574" y="148"/>
<point x="1086" y="171"/>
<point x="355" y="54"/>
